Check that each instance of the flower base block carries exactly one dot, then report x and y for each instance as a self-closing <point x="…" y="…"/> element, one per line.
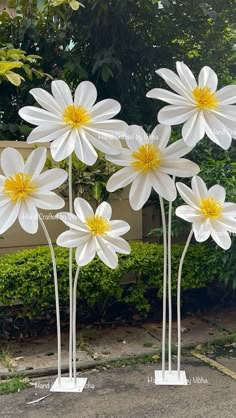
<point x="171" y="378"/>
<point x="69" y="385"/>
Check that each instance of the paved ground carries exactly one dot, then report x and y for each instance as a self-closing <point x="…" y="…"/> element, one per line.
<point x="130" y="393"/>
<point x="118" y="341"/>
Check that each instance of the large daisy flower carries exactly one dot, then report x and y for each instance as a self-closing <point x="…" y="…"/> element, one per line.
<point x="23" y="189"/>
<point x="208" y="212"/>
<point x="201" y="108"/>
<point x="94" y="233"/>
<point x="148" y="162"/>
<point x="74" y="125"/>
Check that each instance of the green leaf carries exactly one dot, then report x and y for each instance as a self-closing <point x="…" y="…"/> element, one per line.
<point x="14" y="78"/>
<point x="6" y="66"/>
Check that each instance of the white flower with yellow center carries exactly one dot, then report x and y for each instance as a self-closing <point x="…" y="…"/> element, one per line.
<point x="24" y="188"/>
<point x="201" y="108"/>
<point x="208" y="212"/>
<point x="94" y="233"/>
<point x="148" y="162"/>
<point x="77" y="125"/>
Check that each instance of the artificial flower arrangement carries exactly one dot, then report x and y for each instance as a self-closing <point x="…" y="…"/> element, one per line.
<point x="81" y="125"/>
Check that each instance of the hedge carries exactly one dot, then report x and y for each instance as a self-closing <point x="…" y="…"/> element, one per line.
<point x="26" y="276"/>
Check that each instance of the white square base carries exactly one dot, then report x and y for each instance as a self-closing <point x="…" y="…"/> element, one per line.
<point x="171" y="378"/>
<point x="68" y="385"/>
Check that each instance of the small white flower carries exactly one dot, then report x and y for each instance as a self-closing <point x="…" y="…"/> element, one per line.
<point x="74" y="125"/>
<point x="201" y="108"/>
<point x="23" y="189"/>
<point x="148" y="163"/>
<point x="94" y="233"/>
<point x="208" y="212"/>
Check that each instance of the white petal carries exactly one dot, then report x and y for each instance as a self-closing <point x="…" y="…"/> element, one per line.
<point x="194" y="129"/>
<point x="177" y="149"/>
<point x="186" y="75"/>
<point x="121" y="179"/>
<point x="187" y="195"/>
<point x="104" y="210"/>
<point x="188" y="213"/>
<point x="218" y="192"/>
<point x="140" y="191"/>
<point x="106" y="253"/>
<point x="202" y="230"/>
<point x="51" y="179"/>
<point x="160" y="136"/>
<point x="4" y="200"/>
<point x="199" y="188"/>
<point x="47" y="101"/>
<point x="173" y="81"/>
<point x="86" y="253"/>
<point x="216" y="131"/>
<point x="106" y="109"/>
<point x="124" y="158"/>
<point x="174" y="115"/>
<point x="37" y="116"/>
<point x="84" y="150"/>
<point x="72" y="239"/>
<point x="114" y="127"/>
<point x="179" y="167"/>
<point x="8" y="215"/>
<point x="227" y="223"/>
<point x="227" y="114"/>
<point x="167" y="96"/>
<point x="63" y="146"/>
<point x="222" y="238"/>
<point x="44" y="133"/>
<point x="82" y="209"/>
<point x="62" y="93"/>
<point x="47" y="200"/>
<point x="102" y="141"/>
<point x="28" y="217"/>
<point x="2" y="180"/>
<point x="229" y="209"/>
<point x="227" y="95"/>
<point x="163" y="185"/>
<point x="118" y="244"/>
<point x="135" y="136"/>
<point x="118" y="228"/>
<point x="35" y="162"/>
<point x="85" y="94"/>
<point x="11" y="162"/>
<point x="207" y="77"/>
<point x="72" y="221"/>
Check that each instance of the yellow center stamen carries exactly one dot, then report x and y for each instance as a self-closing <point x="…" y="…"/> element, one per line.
<point x="98" y="225"/>
<point x="76" y="116"/>
<point x="146" y="158"/>
<point x="205" y="98"/>
<point x="211" y="208"/>
<point x="19" y="187"/>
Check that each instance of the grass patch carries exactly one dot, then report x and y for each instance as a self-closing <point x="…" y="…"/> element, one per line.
<point x="12" y="385"/>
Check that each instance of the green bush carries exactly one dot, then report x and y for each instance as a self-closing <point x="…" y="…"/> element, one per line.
<point x="26" y="276"/>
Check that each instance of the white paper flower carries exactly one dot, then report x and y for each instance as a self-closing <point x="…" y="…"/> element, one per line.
<point x="148" y="163"/>
<point x="201" y="108"/>
<point x="74" y="125"/>
<point x="94" y="233"/>
<point x="208" y="212"/>
<point x="23" y="189"/>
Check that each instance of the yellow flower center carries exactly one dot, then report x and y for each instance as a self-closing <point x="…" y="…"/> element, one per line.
<point x="146" y="158"/>
<point x="76" y="116"/>
<point x="98" y="225"/>
<point x="205" y="98"/>
<point x="211" y="208"/>
<point x="19" y="187"/>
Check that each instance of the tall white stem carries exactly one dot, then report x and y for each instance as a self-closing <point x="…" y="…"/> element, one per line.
<point x="179" y="299"/>
<point x="56" y="298"/>
<point x="169" y="287"/>
<point x="70" y="270"/>
<point x="164" y="286"/>
<point x="74" y="321"/>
